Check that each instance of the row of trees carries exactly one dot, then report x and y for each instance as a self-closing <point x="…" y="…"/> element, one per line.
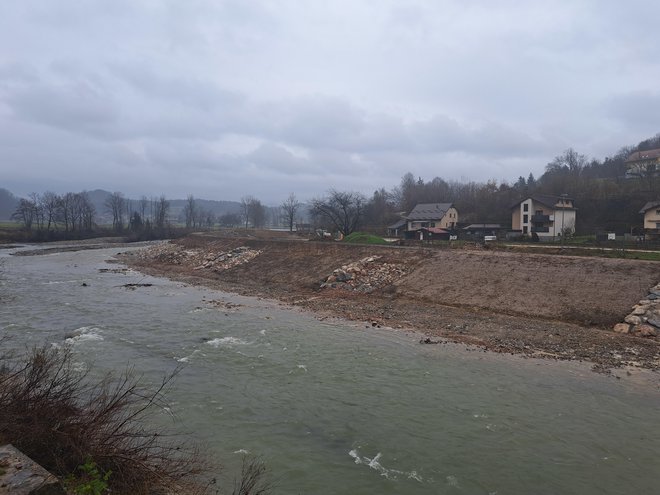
<point x="72" y="211"/>
<point x="137" y="215"/>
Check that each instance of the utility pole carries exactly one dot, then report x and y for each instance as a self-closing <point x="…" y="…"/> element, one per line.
<point x="563" y="208"/>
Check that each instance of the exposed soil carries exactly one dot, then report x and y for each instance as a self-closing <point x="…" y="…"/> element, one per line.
<point x="539" y="305"/>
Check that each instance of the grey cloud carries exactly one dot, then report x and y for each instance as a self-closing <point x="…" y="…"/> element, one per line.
<point x="236" y="97"/>
<point x="279" y="160"/>
<point x="639" y="110"/>
<point x="74" y="106"/>
<point x="197" y="93"/>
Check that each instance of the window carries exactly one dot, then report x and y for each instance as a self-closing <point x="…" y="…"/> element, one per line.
<point x="525" y="229"/>
<point x="657" y="212"/>
<point x="526" y="207"/>
<point x="525" y="218"/>
<point x="432" y="224"/>
<point x="538" y="212"/>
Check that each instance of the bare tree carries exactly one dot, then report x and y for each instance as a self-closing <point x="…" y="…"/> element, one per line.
<point x="342" y="209"/>
<point x="86" y="211"/>
<point x="144" y="202"/>
<point x="115" y="204"/>
<point x="289" y="208"/>
<point x="257" y="213"/>
<point x="50" y="204"/>
<point x="190" y="212"/>
<point x="161" y="211"/>
<point x="65" y="212"/>
<point x="245" y="209"/>
<point x="25" y="213"/>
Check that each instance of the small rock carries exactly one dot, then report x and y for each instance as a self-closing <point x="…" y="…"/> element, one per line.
<point x="633" y="320"/>
<point x="622" y="328"/>
<point x="639" y="310"/>
<point x="654" y="321"/>
<point x="644" y="330"/>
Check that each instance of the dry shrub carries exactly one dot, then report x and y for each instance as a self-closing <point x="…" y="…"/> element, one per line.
<point x="252" y="480"/>
<point x="55" y="416"/>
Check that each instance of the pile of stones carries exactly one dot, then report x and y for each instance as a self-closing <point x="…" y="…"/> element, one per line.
<point x="228" y="259"/>
<point x="201" y="258"/>
<point x="365" y="275"/>
<point x="644" y="320"/>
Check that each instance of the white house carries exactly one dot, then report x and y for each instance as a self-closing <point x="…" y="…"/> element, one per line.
<point x="547" y="216"/>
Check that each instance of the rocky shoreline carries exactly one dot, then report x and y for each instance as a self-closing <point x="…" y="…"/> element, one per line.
<point x="418" y="290"/>
<point x="644" y="320"/>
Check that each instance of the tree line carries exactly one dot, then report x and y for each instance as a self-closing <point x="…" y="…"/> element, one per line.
<point x="607" y="193"/>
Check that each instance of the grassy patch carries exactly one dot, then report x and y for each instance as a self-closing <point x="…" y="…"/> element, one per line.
<point x="364" y="238"/>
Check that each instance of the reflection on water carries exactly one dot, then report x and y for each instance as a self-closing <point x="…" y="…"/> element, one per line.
<point x="340" y="408"/>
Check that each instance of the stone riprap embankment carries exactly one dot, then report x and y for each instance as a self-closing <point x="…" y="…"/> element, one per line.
<point x="200" y="258"/>
<point x="365" y="275"/>
<point x="644" y="320"/>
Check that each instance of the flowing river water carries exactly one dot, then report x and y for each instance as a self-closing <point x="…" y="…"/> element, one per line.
<point x="341" y="408"/>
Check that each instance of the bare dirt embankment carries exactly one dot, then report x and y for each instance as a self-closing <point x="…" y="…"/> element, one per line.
<point x="549" y="306"/>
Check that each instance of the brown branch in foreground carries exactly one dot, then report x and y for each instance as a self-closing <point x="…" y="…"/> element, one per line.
<point x="55" y="416"/>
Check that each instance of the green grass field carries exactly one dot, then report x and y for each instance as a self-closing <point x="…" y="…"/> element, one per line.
<point x="364" y="238"/>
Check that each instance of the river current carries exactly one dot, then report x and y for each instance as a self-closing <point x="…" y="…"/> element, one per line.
<point x="340" y="408"/>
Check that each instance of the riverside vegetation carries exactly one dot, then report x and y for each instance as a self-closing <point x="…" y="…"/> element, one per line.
<point x="92" y="434"/>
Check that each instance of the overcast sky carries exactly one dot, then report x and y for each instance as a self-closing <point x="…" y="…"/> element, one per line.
<point x="227" y="98"/>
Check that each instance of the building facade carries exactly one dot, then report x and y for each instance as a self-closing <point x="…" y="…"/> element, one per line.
<point x="544" y="215"/>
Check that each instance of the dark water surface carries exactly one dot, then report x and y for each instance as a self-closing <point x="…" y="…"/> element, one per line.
<point x="335" y="408"/>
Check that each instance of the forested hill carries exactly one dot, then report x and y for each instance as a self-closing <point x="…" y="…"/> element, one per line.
<point x="605" y="197"/>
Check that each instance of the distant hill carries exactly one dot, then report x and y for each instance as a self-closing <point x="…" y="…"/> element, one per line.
<point x="8" y="204"/>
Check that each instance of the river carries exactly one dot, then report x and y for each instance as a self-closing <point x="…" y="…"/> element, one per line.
<point x="340" y="408"/>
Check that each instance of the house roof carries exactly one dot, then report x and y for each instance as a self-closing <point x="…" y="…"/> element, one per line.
<point x="429" y="211"/>
<point x="638" y="156"/>
<point x="398" y="225"/>
<point x="650" y="205"/>
<point x="545" y="199"/>
<point x="483" y="226"/>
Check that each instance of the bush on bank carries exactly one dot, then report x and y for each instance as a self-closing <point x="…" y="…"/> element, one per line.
<point x="63" y="421"/>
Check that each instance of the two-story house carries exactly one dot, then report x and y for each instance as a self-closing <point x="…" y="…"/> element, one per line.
<point x="432" y="215"/>
<point x="651" y="212"/>
<point x="643" y="164"/>
<point x="547" y="216"/>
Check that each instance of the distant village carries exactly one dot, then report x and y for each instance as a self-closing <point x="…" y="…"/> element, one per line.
<point x="539" y="217"/>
